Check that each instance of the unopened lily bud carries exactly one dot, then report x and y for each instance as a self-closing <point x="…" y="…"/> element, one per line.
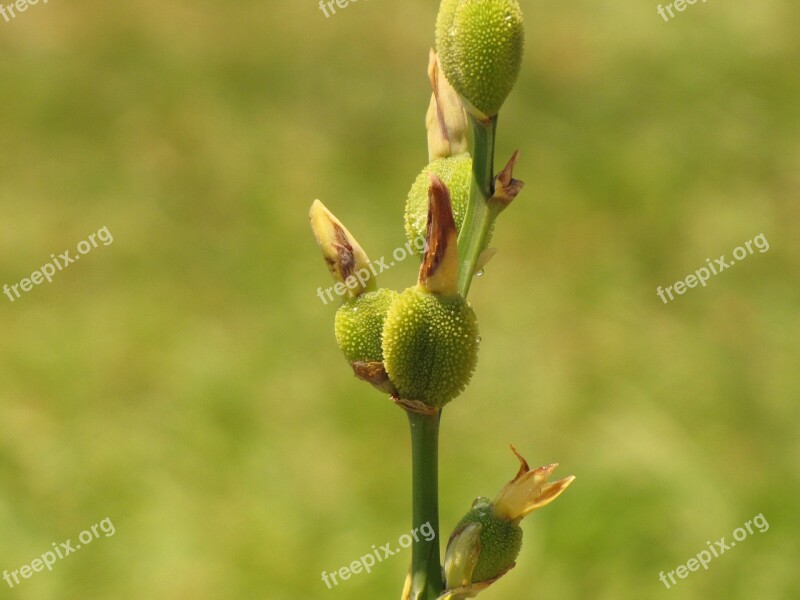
<point x="430" y="338"/>
<point x="446" y="120"/>
<point x="359" y="325"/>
<point x="486" y="542"/>
<point x="346" y="260"/>
<point x="480" y="44"/>
<point x="456" y="173"/>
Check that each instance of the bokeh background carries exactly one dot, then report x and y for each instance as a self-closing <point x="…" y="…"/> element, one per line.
<point x="184" y="381"/>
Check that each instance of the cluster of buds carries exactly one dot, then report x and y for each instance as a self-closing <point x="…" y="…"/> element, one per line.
<point x="420" y="346"/>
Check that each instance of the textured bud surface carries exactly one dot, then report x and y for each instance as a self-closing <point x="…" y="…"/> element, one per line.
<point x="430" y="346"/>
<point x="480" y="45"/>
<point x="501" y="542"/>
<point x="444" y="24"/>
<point x="456" y="173"/>
<point x="359" y="325"/>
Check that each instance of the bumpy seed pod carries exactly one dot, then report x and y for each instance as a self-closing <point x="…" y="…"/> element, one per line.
<point x="359" y="325"/>
<point x="480" y="44"/>
<point x="500" y="541"/>
<point x="430" y="346"/>
<point x="430" y="338"/>
<point x="487" y="541"/>
<point x="456" y="173"/>
<point x="444" y="21"/>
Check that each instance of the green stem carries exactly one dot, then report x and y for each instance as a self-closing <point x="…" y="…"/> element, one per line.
<point x="480" y="216"/>
<point x="425" y="560"/>
<point x="426" y="570"/>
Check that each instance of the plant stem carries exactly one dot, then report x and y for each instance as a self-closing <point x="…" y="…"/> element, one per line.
<point x="480" y="216"/>
<point x="426" y="566"/>
<point x="426" y="570"/>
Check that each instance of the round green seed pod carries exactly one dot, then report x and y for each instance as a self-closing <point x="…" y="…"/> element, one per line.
<point x="456" y="173"/>
<point x="480" y="44"/>
<point x="359" y="325"/>
<point x="444" y="24"/>
<point x="501" y="541"/>
<point x="430" y="346"/>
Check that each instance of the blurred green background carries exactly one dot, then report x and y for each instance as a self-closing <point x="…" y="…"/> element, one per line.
<point x="184" y="381"/>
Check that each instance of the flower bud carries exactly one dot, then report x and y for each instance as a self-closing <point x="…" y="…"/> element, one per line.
<point x="486" y="542"/>
<point x="359" y="325"/>
<point x="480" y="44"/>
<point x="346" y="260"/>
<point x="456" y="173"/>
<point x="446" y="120"/>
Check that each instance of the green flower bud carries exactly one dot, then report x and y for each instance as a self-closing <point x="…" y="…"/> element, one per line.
<point x="456" y="173"/>
<point x="480" y="43"/>
<point x="359" y="325"/>
<point x="430" y="346"/>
